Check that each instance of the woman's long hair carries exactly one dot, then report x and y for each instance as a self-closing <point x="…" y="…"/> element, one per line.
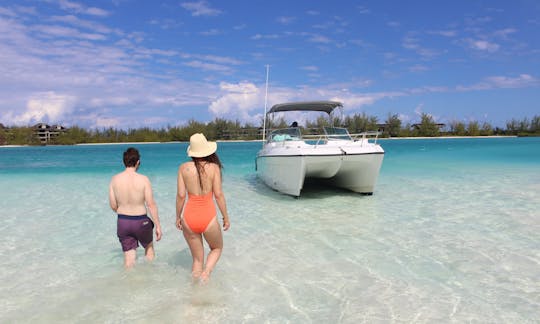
<point x="200" y="162"/>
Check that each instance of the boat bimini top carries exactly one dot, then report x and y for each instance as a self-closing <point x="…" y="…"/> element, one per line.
<point x="324" y="106"/>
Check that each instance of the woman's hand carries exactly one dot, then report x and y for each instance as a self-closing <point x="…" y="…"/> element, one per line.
<point x="179" y="223"/>
<point x="226" y="223"/>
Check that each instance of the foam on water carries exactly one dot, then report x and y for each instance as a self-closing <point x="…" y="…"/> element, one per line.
<point x="450" y="235"/>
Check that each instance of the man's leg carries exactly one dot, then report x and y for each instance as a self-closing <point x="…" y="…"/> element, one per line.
<point x="149" y="252"/>
<point x="129" y="258"/>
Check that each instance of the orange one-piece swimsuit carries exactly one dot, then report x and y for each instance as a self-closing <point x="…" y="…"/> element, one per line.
<point x="199" y="211"/>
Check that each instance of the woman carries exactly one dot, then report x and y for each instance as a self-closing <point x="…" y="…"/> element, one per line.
<point x="200" y="181"/>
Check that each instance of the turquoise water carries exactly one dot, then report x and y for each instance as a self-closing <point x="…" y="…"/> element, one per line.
<point x="452" y="234"/>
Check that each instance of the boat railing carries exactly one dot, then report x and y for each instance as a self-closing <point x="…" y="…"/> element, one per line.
<point x="285" y="134"/>
<point x="366" y="135"/>
<point x="329" y="134"/>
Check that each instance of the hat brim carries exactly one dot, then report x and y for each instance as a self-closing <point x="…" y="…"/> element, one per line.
<point x="211" y="148"/>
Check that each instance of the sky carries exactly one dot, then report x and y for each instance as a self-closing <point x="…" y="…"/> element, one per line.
<point x="160" y="63"/>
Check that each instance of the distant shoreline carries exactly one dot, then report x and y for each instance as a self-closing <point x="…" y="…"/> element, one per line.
<point x="447" y="137"/>
<point x="247" y="141"/>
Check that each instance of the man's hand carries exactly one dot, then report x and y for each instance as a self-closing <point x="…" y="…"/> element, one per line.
<point x="158" y="233"/>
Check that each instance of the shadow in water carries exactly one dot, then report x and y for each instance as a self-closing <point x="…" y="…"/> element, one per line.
<point x="313" y="189"/>
<point x="181" y="259"/>
<point x="316" y="189"/>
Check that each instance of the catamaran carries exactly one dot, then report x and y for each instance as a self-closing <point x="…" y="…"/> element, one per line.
<point x="334" y="156"/>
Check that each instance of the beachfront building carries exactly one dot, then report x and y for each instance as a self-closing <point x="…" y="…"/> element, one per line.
<point x="418" y="126"/>
<point x="45" y="133"/>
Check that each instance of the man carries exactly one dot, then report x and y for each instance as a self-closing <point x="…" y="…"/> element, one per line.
<point x="130" y="195"/>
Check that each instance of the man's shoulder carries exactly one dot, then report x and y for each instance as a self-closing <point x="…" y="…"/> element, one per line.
<point x="116" y="176"/>
<point x="141" y="176"/>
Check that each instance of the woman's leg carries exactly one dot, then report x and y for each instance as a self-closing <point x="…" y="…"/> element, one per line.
<point x="213" y="237"/>
<point x="196" y="247"/>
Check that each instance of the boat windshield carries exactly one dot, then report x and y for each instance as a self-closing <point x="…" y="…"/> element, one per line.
<point x="337" y="133"/>
<point x="285" y="134"/>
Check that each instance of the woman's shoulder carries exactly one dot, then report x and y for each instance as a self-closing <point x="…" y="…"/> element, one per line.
<point x="212" y="166"/>
<point x="185" y="165"/>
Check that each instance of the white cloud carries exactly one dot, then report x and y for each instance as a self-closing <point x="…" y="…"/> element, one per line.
<point x="310" y="68"/>
<point x="105" y="122"/>
<point x="419" y="109"/>
<point x="78" y="22"/>
<point x="363" y="10"/>
<point x="44" y="107"/>
<point x="503" y="33"/>
<point x="483" y="45"/>
<point x="355" y="101"/>
<point x="80" y="8"/>
<point x="445" y="33"/>
<point x="404" y="118"/>
<point x="237" y="101"/>
<point x="208" y="66"/>
<point x="200" y="8"/>
<point x="284" y="20"/>
<point x="319" y="39"/>
<point x="261" y="36"/>
<point x="7" y="12"/>
<point x="497" y="82"/>
<point x="521" y="81"/>
<point x="418" y="68"/>
<point x="211" y="32"/>
<point x="412" y="43"/>
<point x="60" y="31"/>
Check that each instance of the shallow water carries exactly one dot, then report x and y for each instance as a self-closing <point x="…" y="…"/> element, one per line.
<point x="452" y="234"/>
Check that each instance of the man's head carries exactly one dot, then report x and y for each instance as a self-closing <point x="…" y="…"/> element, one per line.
<point x="131" y="157"/>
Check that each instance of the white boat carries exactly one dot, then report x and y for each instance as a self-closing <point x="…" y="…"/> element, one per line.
<point x="340" y="159"/>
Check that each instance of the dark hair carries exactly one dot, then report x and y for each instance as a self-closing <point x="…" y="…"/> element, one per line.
<point x="200" y="161"/>
<point x="131" y="156"/>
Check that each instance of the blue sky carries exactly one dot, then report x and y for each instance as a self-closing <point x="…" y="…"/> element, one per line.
<point x="135" y="63"/>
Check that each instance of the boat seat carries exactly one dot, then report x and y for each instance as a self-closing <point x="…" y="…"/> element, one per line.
<point x="282" y="137"/>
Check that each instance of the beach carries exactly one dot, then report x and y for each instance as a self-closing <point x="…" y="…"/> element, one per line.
<point x="451" y="234"/>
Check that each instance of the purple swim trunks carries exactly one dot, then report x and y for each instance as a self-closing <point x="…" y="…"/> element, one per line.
<point x="134" y="229"/>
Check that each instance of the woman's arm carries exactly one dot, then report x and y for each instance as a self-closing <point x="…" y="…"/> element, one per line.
<point x="180" y="198"/>
<point x="220" y="197"/>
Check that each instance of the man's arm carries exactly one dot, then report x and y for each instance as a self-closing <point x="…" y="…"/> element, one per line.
<point x="152" y="206"/>
<point x="180" y="198"/>
<point x="112" y="198"/>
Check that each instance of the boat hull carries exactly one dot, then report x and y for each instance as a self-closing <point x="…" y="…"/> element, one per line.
<point x="338" y="166"/>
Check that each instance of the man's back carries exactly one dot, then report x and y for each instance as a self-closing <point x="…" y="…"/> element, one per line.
<point x="129" y="190"/>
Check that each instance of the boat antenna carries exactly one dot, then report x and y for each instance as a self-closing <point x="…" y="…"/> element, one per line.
<point x="265" y="102"/>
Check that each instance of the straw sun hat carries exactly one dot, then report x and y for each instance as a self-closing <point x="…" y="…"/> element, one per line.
<point x="200" y="147"/>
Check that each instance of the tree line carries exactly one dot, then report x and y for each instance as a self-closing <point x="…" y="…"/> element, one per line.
<point x="222" y="129"/>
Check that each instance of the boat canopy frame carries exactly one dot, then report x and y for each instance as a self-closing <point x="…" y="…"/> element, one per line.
<point x="323" y="106"/>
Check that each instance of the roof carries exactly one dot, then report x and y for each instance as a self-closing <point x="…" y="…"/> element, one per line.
<point x="325" y="106"/>
<point x="41" y="126"/>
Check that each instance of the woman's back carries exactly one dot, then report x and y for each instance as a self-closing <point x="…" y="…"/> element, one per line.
<point x="191" y="179"/>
